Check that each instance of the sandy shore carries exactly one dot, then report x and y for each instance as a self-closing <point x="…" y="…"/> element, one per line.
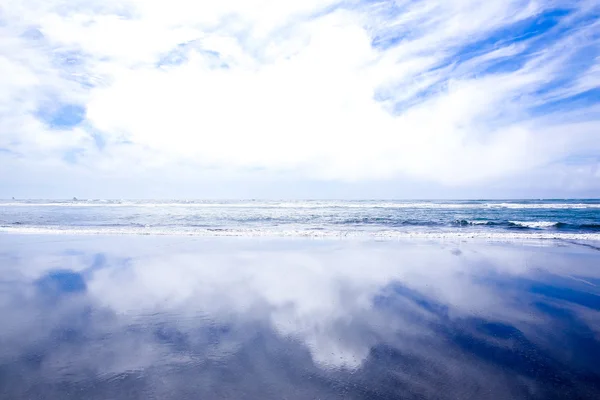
<point x="181" y="317"/>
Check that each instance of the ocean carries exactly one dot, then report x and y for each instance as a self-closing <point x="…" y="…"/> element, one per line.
<point x="501" y="219"/>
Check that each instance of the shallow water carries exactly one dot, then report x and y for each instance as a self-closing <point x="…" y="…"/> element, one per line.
<point x="177" y="318"/>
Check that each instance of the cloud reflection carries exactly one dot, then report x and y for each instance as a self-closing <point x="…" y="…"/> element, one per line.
<point x="315" y="318"/>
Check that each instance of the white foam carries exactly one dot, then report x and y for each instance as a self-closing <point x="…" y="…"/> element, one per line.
<point x="309" y="233"/>
<point x="534" y="224"/>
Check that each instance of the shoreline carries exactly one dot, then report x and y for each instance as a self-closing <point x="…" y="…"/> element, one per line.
<point x="308" y="233"/>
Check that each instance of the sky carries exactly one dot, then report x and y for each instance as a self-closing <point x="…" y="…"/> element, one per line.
<point x="299" y="99"/>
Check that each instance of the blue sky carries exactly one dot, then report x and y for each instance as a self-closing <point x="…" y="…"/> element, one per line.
<point x="260" y="98"/>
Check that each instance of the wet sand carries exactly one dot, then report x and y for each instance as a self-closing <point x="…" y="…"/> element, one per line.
<point x="176" y="318"/>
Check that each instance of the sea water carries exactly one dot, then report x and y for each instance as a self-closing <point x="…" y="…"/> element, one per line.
<point x="503" y="219"/>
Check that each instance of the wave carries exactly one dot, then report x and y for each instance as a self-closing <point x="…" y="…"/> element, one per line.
<point x="508" y="224"/>
<point x="552" y="206"/>
<point x="464" y="222"/>
<point x="386" y="221"/>
<point x="478" y="222"/>
<point x="529" y="224"/>
<point x="534" y="224"/>
<point x="306" y="233"/>
<point x="590" y="226"/>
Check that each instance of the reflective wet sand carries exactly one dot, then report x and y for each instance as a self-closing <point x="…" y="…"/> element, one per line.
<point x="178" y="318"/>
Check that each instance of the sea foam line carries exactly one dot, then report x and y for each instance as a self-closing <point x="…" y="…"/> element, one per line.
<point x="308" y="233"/>
<point x="534" y="224"/>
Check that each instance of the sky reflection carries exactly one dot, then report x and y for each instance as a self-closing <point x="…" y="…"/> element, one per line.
<point x="230" y="318"/>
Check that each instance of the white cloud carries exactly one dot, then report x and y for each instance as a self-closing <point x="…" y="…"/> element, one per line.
<point x="298" y="86"/>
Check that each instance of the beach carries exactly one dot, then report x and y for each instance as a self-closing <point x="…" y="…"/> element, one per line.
<point x="290" y="200"/>
<point x="175" y="317"/>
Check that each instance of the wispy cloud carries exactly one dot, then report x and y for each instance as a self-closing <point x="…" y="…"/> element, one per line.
<point x="454" y="92"/>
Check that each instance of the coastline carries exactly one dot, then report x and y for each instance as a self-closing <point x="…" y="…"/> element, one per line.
<point x="304" y="233"/>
